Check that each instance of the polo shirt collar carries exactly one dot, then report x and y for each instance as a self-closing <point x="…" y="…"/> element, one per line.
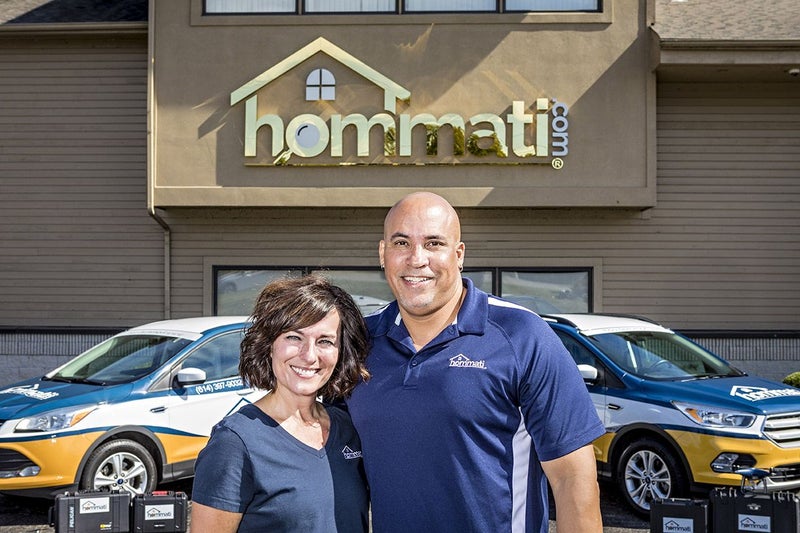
<point x="471" y="317"/>
<point x="474" y="312"/>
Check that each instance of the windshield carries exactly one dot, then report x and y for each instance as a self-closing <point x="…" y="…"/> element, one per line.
<point x="657" y="355"/>
<point x="121" y="359"/>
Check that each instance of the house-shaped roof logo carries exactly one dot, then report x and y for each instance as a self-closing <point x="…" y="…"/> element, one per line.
<point x="754" y="523"/>
<point x="310" y="135"/>
<point x="462" y="361"/>
<point x="391" y="91"/>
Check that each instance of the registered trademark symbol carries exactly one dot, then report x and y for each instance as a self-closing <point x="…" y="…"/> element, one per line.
<point x="557" y="163"/>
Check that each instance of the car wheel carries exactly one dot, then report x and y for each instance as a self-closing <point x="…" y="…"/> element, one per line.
<point x="120" y="465"/>
<point x="648" y="471"/>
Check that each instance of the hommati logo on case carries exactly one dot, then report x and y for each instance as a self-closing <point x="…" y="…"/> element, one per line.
<point x="95" y="505"/>
<point x="677" y="525"/>
<point x="159" y="512"/>
<point x="749" y="522"/>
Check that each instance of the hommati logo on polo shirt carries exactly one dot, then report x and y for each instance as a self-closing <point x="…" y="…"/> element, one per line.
<point x="350" y="454"/>
<point x="462" y="361"/>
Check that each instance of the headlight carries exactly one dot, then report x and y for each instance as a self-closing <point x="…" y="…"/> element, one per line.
<point x="54" y="420"/>
<point x="717" y="417"/>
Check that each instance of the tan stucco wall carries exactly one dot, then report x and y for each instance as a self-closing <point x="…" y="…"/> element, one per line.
<point x="457" y="64"/>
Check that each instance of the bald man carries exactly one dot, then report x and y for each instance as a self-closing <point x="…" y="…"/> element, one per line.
<point x="474" y="404"/>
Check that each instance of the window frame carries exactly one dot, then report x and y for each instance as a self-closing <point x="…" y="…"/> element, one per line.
<point x="401" y="9"/>
<point x="199" y="16"/>
<point x="496" y="273"/>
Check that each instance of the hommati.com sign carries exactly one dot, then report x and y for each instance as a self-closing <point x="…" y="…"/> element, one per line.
<point x="535" y="131"/>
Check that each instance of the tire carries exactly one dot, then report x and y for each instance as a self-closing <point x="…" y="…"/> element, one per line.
<point x="648" y="470"/>
<point x="120" y="465"/>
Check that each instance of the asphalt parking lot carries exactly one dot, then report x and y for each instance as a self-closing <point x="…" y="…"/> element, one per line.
<point x="24" y="515"/>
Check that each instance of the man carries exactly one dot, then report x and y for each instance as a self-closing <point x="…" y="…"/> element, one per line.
<point x="472" y="400"/>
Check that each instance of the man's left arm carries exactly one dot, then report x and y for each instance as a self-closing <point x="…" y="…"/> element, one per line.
<point x="573" y="480"/>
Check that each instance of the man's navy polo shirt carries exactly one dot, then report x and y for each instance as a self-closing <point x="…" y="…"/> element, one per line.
<point x="453" y="434"/>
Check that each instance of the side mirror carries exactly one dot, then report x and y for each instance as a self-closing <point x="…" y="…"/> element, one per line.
<point x="588" y="372"/>
<point x="190" y="376"/>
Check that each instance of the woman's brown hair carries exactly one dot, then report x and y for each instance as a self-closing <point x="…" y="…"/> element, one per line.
<point x="290" y="304"/>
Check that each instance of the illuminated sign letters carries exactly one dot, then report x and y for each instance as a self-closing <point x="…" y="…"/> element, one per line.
<point x="475" y="139"/>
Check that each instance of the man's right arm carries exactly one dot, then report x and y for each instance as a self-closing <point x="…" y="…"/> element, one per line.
<point x="573" y="480"/>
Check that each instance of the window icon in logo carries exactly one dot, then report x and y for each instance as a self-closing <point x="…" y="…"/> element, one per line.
<point x="320" y="85"/>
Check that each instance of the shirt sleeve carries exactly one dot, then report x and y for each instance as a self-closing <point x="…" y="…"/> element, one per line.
<point x="223" y="472"/>
<point x="559" y="413"/>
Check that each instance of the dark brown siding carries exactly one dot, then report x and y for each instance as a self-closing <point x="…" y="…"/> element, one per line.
<point x="78" y="247"/>
<point x="728" y="215"/>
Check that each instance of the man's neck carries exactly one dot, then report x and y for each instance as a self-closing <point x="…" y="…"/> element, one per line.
<point x="423" y="329"/>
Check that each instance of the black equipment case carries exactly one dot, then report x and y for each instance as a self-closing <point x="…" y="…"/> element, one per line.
<point x="87" y="512"/>
<point x="679" y="515"/>
<point x="159" y="511"/>
<point x="735" y="511"/>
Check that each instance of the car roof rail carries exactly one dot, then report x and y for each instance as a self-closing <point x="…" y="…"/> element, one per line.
<point x="634" y="316"/>
<point x="560" y="319"/>
<point x="563" y="320"/>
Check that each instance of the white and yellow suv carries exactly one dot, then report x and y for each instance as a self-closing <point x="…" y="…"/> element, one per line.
<point x="127" y="414"/>
<point x="678" y="418"/>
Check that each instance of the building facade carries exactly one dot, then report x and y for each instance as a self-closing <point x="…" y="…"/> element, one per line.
<point x="165" y="160"/>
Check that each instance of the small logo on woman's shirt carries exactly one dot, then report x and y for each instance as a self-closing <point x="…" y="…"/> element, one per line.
<point x="350" y="454"/>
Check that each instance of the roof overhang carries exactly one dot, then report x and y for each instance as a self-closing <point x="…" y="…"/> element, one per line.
<point x="76" y="28"/>
<point x="718" y="60"/>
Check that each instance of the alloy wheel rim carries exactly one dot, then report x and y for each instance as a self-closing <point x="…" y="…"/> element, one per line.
<point x="121" y="471"/>
<point x="647" y="478"/>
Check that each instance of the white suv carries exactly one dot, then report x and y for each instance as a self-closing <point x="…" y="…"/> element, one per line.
<point x="127" y="414"/>
<point x="678" y="418"/>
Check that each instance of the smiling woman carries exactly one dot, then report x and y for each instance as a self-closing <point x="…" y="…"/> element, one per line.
<point x="289" y="451"/>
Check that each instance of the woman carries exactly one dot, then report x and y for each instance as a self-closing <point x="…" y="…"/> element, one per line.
<point x="289" y="462"/>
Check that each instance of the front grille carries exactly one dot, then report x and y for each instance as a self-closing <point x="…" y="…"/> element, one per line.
<point x="13" y="461"/>
<point x="785" y="473"/>
<point x="784" y="429"/>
